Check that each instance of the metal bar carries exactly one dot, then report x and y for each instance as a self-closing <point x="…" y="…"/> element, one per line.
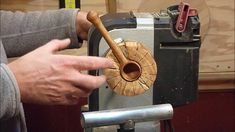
<point x="120" y="116"/>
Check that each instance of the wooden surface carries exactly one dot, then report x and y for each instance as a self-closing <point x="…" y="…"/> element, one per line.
<point x="134" y="69"/>
<point x="28" y="5"/>
<point x="137" y="52"/>
<point x="111" y="6"/>
<point x="217" y="29"/>
<point x="217" y="52"/>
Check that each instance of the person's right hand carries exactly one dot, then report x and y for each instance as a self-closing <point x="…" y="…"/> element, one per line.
<point x="44" y="77"/>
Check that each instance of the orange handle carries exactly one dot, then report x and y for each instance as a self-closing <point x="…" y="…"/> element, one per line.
<point x="95" y="20"/>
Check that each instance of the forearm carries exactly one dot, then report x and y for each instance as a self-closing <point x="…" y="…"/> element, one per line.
<point x="23" y="32"/>
<point x="9" y="94"/>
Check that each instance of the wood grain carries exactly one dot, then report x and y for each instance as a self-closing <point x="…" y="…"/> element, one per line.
<point x="217" y="51"/>
<point x="217" y="58"/>
<point x="217" y="81"/>
<point x="29" y="5"/>
<point x="136" y="52"/>
<point x="111" y="6"/>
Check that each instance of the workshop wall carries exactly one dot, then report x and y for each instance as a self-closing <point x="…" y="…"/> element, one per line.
<point x="214" y="111"/>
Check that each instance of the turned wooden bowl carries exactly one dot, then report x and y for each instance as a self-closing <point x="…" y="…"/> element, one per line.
<point x="134" y="69"/>
<point x="119" y="82"/>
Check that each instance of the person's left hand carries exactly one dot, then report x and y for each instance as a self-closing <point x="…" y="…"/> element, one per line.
<point x="82" y="25"/>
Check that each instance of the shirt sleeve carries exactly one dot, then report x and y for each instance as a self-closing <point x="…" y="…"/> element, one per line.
<point x="23" y="32"/>
<point x="9" y="94"/>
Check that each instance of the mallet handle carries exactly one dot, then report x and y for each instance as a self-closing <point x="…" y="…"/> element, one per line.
<point x="95" y="20"/>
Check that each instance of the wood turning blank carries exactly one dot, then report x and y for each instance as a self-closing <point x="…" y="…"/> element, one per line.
<point x="134" y="68"/>
<point x="136" y="52"/>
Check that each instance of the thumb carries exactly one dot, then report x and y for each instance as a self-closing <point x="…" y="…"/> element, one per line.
<point x="56" y="45"/>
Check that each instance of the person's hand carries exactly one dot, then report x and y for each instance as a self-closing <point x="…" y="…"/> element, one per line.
<point x="82" y="25"/>
<point x="44" y="77"/>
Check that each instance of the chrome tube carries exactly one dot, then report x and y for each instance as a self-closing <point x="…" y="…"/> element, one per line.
<point x="124" y="115"/>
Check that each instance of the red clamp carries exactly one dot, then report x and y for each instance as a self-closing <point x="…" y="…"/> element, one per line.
<point x="185" y="13"/>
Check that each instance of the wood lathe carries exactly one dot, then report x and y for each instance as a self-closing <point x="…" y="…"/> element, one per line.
<point x="155" y="58"/>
